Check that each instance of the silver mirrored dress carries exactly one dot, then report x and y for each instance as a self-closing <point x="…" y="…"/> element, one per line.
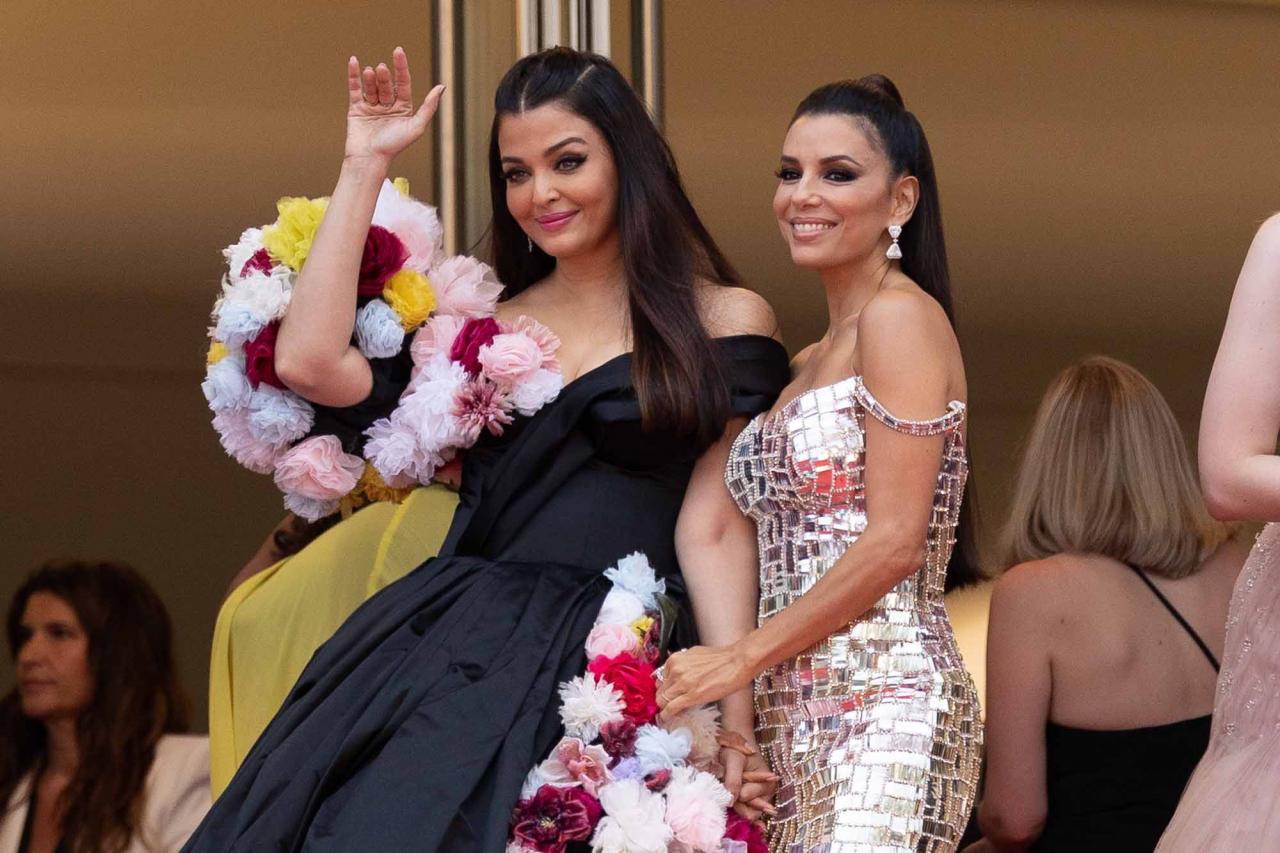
<point x="875" y="731"/>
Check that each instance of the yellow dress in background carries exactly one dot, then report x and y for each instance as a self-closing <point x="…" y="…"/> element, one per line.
<point x="270" y="626"/>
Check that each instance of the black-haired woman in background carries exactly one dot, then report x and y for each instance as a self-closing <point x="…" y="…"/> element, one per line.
<point x="855" y="480"/>
<point x="91" y="759"/>
<point x="414" y="727"/>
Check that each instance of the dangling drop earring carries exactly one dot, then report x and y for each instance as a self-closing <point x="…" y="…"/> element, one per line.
<point x="894" y="252"/>
<point x="530" y="239"/>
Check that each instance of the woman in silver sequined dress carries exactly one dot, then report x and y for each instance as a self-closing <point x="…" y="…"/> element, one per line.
<point x="855" y="481"/>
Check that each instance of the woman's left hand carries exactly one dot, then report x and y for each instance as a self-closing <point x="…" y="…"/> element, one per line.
<point x="699" y="676"/>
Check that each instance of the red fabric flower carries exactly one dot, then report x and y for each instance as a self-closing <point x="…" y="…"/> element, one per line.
<point x="260" y="358"/>
<point x="738" y="828"/>
<point x="475" y="333"/>
<point x="619" y="739"/>
<point x="384" y="256"/>
<point x="634" y="680"/>
<point x="553" y="817"/>
<point x="658" y="780"/>
<point x="259" y="261"/>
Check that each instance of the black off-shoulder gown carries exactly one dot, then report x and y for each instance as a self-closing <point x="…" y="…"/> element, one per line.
<point x="414" y="726"/>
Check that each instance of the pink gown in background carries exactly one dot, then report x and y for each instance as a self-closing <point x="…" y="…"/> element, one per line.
<point x="1232" y="802"/>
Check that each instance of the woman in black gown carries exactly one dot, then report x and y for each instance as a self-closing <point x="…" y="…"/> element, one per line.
<point x="414" y="726"/>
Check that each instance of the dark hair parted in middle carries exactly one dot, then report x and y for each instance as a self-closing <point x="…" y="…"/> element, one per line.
<point x="665" y="246"/>
<point x="874" y="103"/>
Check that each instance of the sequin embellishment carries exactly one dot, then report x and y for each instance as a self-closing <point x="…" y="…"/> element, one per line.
<point x="875" y="731"/>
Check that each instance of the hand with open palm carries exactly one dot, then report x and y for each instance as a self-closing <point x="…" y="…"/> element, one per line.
<point x="381" y="119"/>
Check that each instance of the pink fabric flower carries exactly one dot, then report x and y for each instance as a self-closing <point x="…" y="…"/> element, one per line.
<point x="464" y="286"/>
<point x="436" y="336"/>
<point x="619" y="739"/>
<point x="259" y="261"/>
<point x="509" y="358"/>
<point x="553" y="817"/>
<point x="574" y="763"/>
<point x="239" y="442"/>
<point x="633" y="679"/>
<point x="473" y="335"/>
<point x="748" y="832"/>
<point x="384" y="256"/>
<point x="696" y="808"/>
<point x="611" y="640"/>
<point x="260" y="357"/>
<point x="548" y="342"/>
<point x="480" y="406"/>
<point x="318" y="468"/>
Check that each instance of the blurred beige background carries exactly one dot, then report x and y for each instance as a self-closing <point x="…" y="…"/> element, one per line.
<point x="1102" y="165"/>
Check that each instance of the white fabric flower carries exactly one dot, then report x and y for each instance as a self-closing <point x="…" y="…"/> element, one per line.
<point x="464" y="286"/>
<point x="696" y="804"/>
<point x="536" y="390"/>
<point x="236" y="324"/>
<point x="703" y="725"/>
<point x="392" y="447"/>
<point x="634" y="574"/>
<point x="532" y="783"/>
<point x="416" y="224"/>
<point x="232" y="426"/>
<point x="277" y="416"/>
<point x="586" y="704"/>
<point x="264" y="295"/>
<point x="225" y="384"/>
<point x="633" y="821"/>
<point x="238" y="255"/>
<point x="378" y="330"/>
<point x="620" y="608"/>
<point x="659" y="749"/>
<point x="308" y="508"/>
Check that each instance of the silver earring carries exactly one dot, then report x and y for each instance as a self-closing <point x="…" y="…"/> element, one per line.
<point x="530" y="239"/>
<point x="894" y="252"/>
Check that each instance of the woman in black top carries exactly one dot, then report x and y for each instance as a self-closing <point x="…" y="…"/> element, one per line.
<point x="1104" y="636"/>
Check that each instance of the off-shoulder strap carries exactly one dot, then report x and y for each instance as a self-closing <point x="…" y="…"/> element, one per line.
<point x="933" y="426"/>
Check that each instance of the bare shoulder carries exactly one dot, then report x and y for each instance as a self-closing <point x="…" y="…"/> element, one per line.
<point x="895" y="311"/>
<point x="802" y="357"/>
<point x="728" y="310"/>
<point x="1227" y="561"/>
<point x="1038" y="589"/>
<point x="1269" y="232"/>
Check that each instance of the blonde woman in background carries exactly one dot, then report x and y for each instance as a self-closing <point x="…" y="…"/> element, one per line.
<point x="1105" y="636"/>
<point x="1230" y="803"/>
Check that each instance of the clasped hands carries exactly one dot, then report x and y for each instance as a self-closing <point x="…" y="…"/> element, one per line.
<point x="702" y="675"/>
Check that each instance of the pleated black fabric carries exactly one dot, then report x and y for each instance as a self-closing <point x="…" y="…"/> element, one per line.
<point x="414" y="726"/>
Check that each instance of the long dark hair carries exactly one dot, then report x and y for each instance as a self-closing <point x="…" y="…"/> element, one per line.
<point x="665" y="246"/>
<point x="136" y="699"/>
<point x="875" y="103"/>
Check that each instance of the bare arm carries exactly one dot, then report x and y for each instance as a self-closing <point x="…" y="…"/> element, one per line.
<point x="907" y="365"/>
<point x="1019" y="687"/>
<point x="314" y="356"/>
<point x="1239" y="469"/>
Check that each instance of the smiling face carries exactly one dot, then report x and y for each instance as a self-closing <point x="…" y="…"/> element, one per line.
<point x="562" y="184"/>
<point x="837" y="194"/>
<point x="54" y="678"/>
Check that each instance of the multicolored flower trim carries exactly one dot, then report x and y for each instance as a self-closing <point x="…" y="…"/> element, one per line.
<point x="620" y="779"/>
<point x="405" y="285"/>
<point x="471" y="375"/>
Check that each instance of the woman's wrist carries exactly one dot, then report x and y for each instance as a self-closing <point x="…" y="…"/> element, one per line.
<point x="368" y="166"/>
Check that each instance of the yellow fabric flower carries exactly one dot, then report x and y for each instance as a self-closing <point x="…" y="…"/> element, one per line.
<point x="410" y="295"/>
<point x="289" y="238"/>
<point x="217" y="352"/>
<point x="401" y="184"/>
<point x="641" y="626"/>
<point x="376" y="489"/>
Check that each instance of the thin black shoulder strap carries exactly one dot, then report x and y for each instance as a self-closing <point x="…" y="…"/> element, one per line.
<point x="1186" y="626"/>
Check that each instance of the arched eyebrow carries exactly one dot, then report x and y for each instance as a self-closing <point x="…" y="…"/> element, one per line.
<point x="834" y="158"/>
<point x="569" y="140"/>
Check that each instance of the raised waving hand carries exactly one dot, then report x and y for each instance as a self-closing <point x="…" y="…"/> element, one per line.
<point x="381" y="119"/>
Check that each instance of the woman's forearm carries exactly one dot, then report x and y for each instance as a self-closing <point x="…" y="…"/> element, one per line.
<point x="871" y="567"/>
<point x="315" y="336"/>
